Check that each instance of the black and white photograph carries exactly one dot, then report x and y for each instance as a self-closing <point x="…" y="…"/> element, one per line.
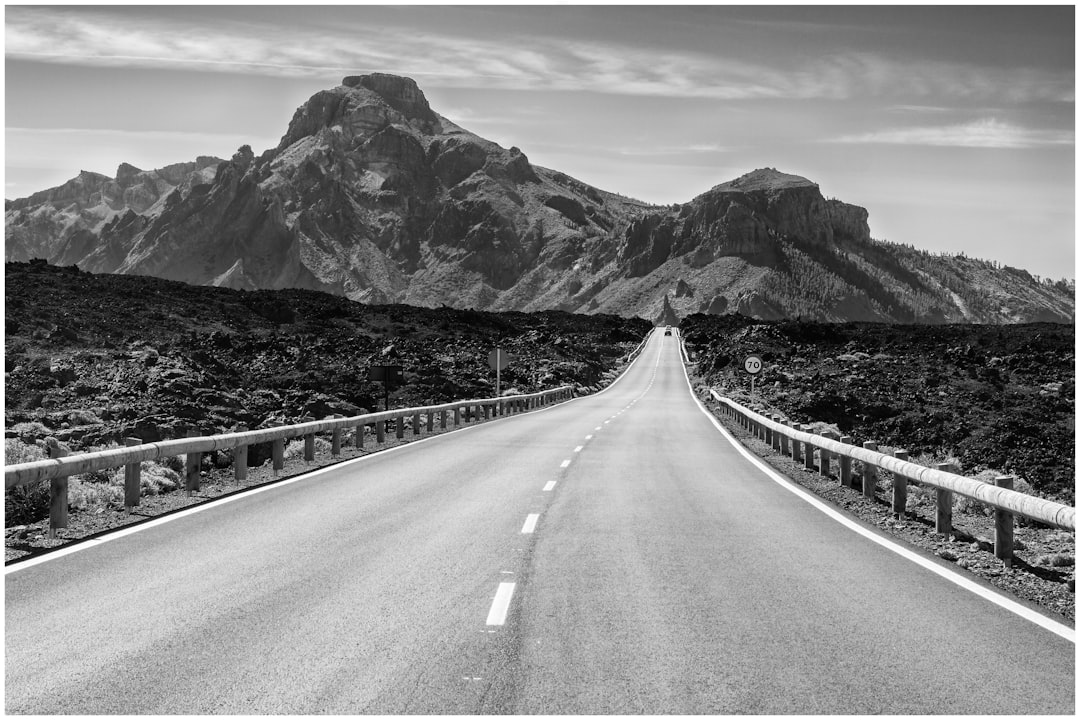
<point x="553" y="360"/>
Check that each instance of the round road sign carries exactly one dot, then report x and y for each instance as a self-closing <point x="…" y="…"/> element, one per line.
<point x="498" y="359"/>
<point x="752" y="364"/>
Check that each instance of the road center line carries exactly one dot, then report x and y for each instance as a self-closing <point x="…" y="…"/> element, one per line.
<point x="501" y="604"/>
<point x="550" y="486"/>
<point x="565" y="464"/>
<point x="588" y="437"/>
<point x="530" y="523"/>
<point x="578" y="448"/>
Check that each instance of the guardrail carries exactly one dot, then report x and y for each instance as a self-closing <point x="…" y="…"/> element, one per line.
<point x="793" y="440"/>
<point x="641" y="346"/>
<point x="59" y="467"/>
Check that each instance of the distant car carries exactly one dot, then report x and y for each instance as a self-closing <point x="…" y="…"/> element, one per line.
<point x="667" y="330"/>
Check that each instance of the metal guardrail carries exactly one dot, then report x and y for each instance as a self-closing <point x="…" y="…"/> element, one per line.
<point x="1002" y="498"/>
<point x="641" y="346"/>
<point x="58" y="468"/>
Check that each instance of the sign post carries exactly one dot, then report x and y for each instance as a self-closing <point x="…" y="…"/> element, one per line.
<point x="752" y="365"/>
<point x="388" y="375"/>
<point x="498" y="360"/>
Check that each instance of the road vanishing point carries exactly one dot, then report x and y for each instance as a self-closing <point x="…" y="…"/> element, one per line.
<point x="614" y="554"/>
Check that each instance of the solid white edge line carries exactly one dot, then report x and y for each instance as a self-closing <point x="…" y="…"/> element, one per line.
<point x="501" y="604"/>
<point x="530" y="523"/>
<point x="1011" y="605"/>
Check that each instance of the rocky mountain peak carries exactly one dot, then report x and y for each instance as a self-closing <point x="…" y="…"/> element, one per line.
<point x="400" y="93"/>
<point x="767" y="179"/>
<point x="126" y="172"/>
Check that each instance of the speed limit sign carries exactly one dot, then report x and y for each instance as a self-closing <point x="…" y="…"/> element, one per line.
<point x="752" y="364"/>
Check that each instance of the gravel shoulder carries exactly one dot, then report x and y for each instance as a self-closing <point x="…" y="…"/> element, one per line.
<point x="1052" y="588"/>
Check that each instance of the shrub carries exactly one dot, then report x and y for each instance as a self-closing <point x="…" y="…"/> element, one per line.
<point x="27" y="503"/>
<point x="17" y="452"/>
<point x="30" y="429"/>
<point x="1056" y="560"/>
<point x="294" y="449"/>
<point x="87" y="495"/>
<point x="173" y="462"/>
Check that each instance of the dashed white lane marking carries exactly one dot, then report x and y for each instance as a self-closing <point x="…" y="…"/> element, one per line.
<point x="565" y="464"/>
<point x="550" y="486"/>
<point x="501" y="604"/>
<point x="530" y="523"/>
<point x="588" y="437"/>
<point x="598" y="427"/>
<point x="578" y="448"/>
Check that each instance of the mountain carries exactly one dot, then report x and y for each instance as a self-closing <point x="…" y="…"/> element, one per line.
<point x="372" y="195"/>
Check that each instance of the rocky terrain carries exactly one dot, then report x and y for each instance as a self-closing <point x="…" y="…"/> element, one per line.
<point x="990" y="397"/>
<point x="91" y="359"/>
<point x="372" y="195"/>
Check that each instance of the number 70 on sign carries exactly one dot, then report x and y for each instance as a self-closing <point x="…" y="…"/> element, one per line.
<point x="752" y="365"/>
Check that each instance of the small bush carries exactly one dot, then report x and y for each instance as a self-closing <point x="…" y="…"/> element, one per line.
<point x="173" y="462"/>
<point x="17" y="452"/>
<point x="28" y="503"/>
<point x="85" y="495"/>
<point x="30" y="429"/>
<point x="1056" y="560"/>
<point x="294" y="449"/>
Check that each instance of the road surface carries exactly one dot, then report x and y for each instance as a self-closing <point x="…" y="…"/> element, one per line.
<point x="613" y="554"/>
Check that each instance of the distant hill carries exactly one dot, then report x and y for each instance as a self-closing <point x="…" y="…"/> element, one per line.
<point x="372" y="195"/>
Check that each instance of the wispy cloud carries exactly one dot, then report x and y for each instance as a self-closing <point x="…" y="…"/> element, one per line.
<point x="984" y="133"/>
<point x="511" y="62"/>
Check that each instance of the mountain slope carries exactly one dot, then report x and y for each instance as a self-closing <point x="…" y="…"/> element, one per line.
<point x="373" y="195"/>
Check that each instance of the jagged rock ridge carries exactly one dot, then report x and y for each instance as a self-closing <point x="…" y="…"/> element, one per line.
<point x="373" y="195"/>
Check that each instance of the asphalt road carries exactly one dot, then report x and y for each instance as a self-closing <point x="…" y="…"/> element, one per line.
<point x="613" y="554"/>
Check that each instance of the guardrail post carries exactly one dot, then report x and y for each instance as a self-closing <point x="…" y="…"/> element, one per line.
<point x="192" y="467"/>
<point x="487" y="411"/>
<point x="431" y="421"/>
<point x="899" y="487"/>
<point x="380" y="431"/>
<point x="869" y="473"/>
<point x="457" y="416"/>
<point x="58" y="492"/>
<point x="784" y="440"/>
<point x="845" y="464"/>
<point x="767" y="432"/>
<point x="132" y="482"/>
<point x="240" y="458"/>
<point x="1003" y="525"/>
<point x="416" y="423"/>
<point x="277" y="453"/>
<point x="796" y="445"/>
<point x="442" y="419"/>
<point x="943" y="517"/>
<point x="824" y="457"/>
<point x="335" y="438"/>
<point x="808" y="455"/>
<point x="399" y="427"/>
<point x="359" y="440"/>
<point x="309" y="441"/>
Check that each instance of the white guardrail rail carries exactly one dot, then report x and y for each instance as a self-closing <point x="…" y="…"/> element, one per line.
<point x="793" y="440"/>
<point x="59" y="466"/>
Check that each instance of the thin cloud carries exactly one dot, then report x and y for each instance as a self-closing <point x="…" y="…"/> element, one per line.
<point x="515" y="63"/>
<point x="988" y="133"/>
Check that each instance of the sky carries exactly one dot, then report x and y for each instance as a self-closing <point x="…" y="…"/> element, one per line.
<point x="953" y="126"/>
